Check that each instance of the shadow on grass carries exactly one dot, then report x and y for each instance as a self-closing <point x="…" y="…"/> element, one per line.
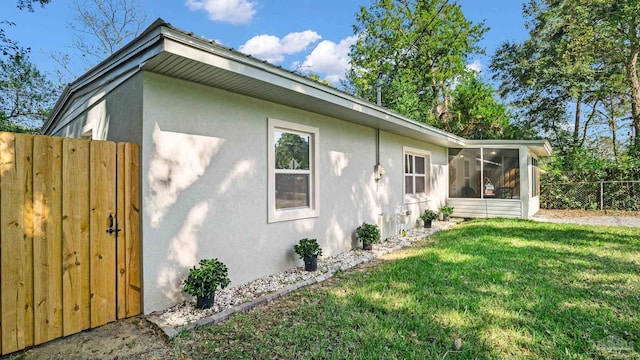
<point x="507" y="289"/>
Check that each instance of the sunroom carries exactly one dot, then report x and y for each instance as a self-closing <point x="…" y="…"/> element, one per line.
<point x="496" y="178"/>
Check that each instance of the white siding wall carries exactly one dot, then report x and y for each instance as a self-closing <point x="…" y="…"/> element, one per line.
<point x="486" y="208"/>
<point x="393" y="160"/>
<point x="204" y="185"/>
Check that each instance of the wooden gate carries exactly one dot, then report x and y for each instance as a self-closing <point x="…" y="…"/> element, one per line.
<point x="69" y="236"/>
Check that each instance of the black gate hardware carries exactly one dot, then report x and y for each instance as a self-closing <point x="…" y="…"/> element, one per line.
<point x="111" y="230"/>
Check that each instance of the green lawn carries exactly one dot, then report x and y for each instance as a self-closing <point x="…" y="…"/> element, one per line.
<point x="507" y="289"/>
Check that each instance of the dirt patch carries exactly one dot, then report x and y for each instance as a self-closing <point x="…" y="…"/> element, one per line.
<point x="586" y="217"/>
<point x="133" y="338"/>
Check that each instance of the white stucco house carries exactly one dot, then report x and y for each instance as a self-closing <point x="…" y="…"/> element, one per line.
<point x="240" y="159"/>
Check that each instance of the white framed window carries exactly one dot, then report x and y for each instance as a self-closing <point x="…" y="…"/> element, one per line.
<point x="417" y="174"/>
<point x="293" y="171"/>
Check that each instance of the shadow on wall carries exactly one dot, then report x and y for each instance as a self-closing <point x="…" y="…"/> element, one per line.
<point x="335" y="235"/>
<point x="178" y="161"/>
<point x="182" y="252"/>
<point x="350" y="197"/>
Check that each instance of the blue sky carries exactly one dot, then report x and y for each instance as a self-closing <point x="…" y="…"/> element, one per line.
<point x="307" y="35"/>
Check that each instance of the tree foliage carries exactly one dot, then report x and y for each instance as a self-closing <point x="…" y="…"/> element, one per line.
<point x="26" y="95"/>
<point x="574" y="78"/>
<point x="417" y="49"/>
<point x="476" y="113"/>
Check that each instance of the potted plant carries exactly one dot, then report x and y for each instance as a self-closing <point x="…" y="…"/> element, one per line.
<point x="428" y="216"/>
<point x="446" y="211"/>
<point x="368" y="234"/>
<point x="202" y="282"/>
<point x="309" y="250"/>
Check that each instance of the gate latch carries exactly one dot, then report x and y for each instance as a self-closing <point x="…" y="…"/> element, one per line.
<point x="111" y="230"/>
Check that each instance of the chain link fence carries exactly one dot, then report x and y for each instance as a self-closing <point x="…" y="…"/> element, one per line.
<point x="602" y="195"/>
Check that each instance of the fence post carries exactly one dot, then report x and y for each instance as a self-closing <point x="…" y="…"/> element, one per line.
<point x="601" y="195"/>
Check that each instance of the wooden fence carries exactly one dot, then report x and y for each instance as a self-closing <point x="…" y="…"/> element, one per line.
<point x="64" y="266"/>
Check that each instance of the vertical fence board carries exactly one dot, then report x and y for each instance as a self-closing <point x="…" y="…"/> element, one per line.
<point x="47" y="245"/>
<point x="7" y="156"/>
<point x="75" y="234"/>
<point x="27" y="260"/>
<point x="132" y="226"/>
<point x="103" y="245"/>
<point x="122" y="235"/>
<point x="12" y="210"/>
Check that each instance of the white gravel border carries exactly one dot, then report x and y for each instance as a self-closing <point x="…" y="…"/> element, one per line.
<point x="185" y="316"/>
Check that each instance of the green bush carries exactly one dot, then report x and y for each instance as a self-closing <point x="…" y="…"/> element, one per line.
<point x="428" y="215"/>
<point x="307" y="248"/>
<point x="368" y="233"/>
<point x="446" y="210"/>
<point x="204" y="281"/>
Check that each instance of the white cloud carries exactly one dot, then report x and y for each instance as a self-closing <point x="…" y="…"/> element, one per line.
<point x="476" y="66"/>
<point x="273" y="49"/>
<point x="330" y="58"/>
<point x="231" y="11"/>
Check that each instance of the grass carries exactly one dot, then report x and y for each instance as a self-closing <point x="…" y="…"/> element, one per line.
<point x="505" y="288"/>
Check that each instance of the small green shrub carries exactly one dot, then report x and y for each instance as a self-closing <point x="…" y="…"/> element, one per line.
<point x="368" y="233"/>
<point x="446" y="210"/>
<point x="428" y="215"/>
<point x="308" y="248"/>
<point x="204" y="281"/>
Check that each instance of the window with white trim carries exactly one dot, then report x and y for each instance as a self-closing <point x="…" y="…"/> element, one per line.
<point x="293" y="175"/>
<point x="417" y="165"/>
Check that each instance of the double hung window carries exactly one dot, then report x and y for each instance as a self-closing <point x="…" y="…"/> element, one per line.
<point x="293" y="174"/>
<point x="416" y="174"/>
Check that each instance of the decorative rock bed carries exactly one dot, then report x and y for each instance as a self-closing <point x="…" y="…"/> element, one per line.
<point x="185" y="316"/>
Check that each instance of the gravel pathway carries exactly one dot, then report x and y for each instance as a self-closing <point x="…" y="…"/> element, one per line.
<point x="240" y="298"/>
<point x="630" y="219"/>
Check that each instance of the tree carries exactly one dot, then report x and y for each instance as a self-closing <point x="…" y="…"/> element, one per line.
<point x="417" y="49"/>
<point x="579" y="59"/>
<point x="476" y="114"/>
<point x="99" y="29"/>
<point x="26" y="95"/>
<point x="616" y="41"/>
